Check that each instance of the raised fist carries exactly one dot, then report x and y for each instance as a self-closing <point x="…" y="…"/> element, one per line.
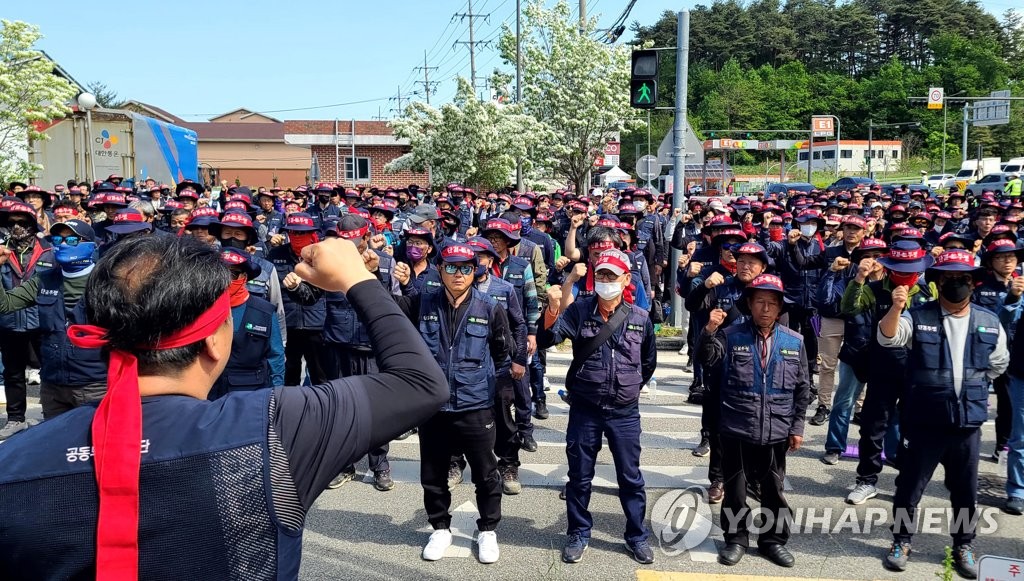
<point x="371" y="259"/>
<point x="576" y="221"/>
<point x="714" y="279"/>
<point x="377" y="241"/>
<point x="291" y="281"/>
<point x="554" y="298"/>
<point x="865" y="268"/>
<point x="579" y="271"/>
<point x="1017" y="286"/>
<point x="899" y="297"/>
<point x="695" y="268"/>
<point x="402" y="273"/>
<point x="562" y="262"/>
<point x="715" y="320"/>
<point x="840" y="263"/>
<point x="793" y="236"/>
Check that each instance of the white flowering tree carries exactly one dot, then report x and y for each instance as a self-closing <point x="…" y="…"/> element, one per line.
<point x="576" y="86"/>
<point x="30" y="94"/>
<point x="468" y="141"/>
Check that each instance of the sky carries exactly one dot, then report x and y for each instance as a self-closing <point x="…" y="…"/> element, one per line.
<point x="288" y="59"/>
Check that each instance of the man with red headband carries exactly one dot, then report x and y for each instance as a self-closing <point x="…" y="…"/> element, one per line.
<point x="174" y="485"/>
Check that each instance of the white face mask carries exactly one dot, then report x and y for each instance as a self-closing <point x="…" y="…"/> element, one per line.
<point x="640" y="205"/>
<point x="808" y="230"/>
<point x="608" y="290"/>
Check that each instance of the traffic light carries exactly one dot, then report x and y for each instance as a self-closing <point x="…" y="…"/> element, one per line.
<point x="643" y="80"/>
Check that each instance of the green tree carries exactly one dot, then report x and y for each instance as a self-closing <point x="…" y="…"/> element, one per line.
<point x="105" y="96"/>
<point x="30" y="95"/>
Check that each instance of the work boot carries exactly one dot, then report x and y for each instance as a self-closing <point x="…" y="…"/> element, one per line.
<point x="540" y="411"/>
<point x="529" y="444"/>
<point x="820" y="415"/>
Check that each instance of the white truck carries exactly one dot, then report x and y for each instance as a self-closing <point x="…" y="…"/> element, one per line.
<point x="972" y="169"/>
<point x="1015" y="165"/>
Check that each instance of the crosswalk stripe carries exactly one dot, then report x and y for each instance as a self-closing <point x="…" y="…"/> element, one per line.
<point x="547" y="436"/>
<point x="554" y="475"/>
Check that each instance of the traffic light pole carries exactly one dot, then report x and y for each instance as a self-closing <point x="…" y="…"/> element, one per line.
<point x="679" y="148"/>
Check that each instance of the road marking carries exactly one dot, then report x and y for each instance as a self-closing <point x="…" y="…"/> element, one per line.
<point x="554" y="475"/>
<point x="551" y="437"/>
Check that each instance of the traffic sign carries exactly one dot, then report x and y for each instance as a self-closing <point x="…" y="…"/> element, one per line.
<point x="994" y="112"/>
<point x="823" y="125"/>
<point x="936" y="95"/>
<point x="647" y="167"/>
<point x="1000" y="568"/>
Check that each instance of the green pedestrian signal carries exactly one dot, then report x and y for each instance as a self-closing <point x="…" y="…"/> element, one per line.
<point x="643" y="80"/>
<point x="643" y="94"/>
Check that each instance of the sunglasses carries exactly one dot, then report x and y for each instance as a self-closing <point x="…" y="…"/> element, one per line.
<point x="69" y="240"/>
<point x="18" y="222"/>
<point x="465" y="269"/>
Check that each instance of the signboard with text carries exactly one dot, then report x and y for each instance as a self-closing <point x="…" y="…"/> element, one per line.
<point x="993" y="112"/>
<point x="823" y="126"/>
<point x="731" y="144"/>
<point x="936" y="96"/>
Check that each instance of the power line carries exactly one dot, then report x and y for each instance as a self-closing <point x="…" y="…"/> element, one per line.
<point x="471" y="43"/>
<point x="296" y="108"/>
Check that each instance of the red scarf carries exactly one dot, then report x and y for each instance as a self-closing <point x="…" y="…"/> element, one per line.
<point x="117" y="441"/>
<point x="729" y="266"/>
<point x="238" y="291"/>
<point x="37" y="251"/>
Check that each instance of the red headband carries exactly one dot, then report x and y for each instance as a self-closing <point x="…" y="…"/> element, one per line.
<point x="117" y="441"/>
<point x="357" y="233"/>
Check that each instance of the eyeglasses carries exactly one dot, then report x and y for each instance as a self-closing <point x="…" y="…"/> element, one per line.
<point x="69" y="240"/>
<point x="732" y="246"/>
<point x="605" y="276"/>
<point x="465" y="269"/>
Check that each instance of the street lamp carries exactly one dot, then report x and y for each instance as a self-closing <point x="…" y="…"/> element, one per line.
<point x="871" y="126"/>
<point x="87" y="102"/>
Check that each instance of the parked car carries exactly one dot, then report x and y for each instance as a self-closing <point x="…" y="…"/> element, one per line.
<point x="785" y="187"/>
<point x="993" y="182"/>
<point x="911" y="188"/>
<point x="940" y="181"/>
<point x="849" y="183"/>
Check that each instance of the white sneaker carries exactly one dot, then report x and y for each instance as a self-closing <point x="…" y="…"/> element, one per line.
<point x="861" y="494"/>
<point x="682" y="350"/>
<point x="32" y="376"/>
<point x="487" y="547"/>
<point x="439" y="542"/>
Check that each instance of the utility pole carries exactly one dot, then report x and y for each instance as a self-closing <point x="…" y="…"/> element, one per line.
<point x="519" y="83"/>
<point x="472" y="43"/>
<point x="426" y="77"/>
<point x="583" y="16"/>
<point x="679" y="144"/>
<point x="380" y="114"/>
<point x="399" y="97"/>
<point x="963" y="143"/>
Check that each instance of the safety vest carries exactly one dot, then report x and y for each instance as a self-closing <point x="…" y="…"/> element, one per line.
<point x="248" y="366"/>
<point x="611" y="376"/>
<point x="206" y="510"/>
<point x="931" y="399"/>
<point x="757" y="400"/>
<point x="11" y="276"/>
<point x="464" y="354"/>
<point x="260" y="286"/>
<point x="63" y="363"/>
<point x="296" y="316"/>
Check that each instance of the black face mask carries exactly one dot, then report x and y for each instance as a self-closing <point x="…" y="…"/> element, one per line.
<point x="324" y="199"/>
<point x="956" y="290"/>
<point x="233" y="243"/>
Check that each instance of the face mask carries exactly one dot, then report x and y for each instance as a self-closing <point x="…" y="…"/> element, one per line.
<point x="300" y="240"/>
<point x="787" y="224"/>
<point x="903" y="278"/>
<point x="808" y="230"/>
<point x="640" y="205"/>
<point x="419" y="197"/>
<point x="233" y="243"/>
<point x="75" y="258"/>
<point x="415" y="253"/>
<point x="237" y="291"/>
<point x="324" y="199"/>
<point x="607" y="290"/>
<point x="502" y="207"/>
<point x="527" y="224"/>
<point x="956" y="290"/>
<point x="480" y="271"/>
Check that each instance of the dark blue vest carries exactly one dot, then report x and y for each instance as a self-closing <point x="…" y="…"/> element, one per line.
<point x="296" y="316"/>
<point x="26" y="319"/>
<point x="502" y="292"/>
<point x="248" y="366"/>
<point x="514" y="272"/>
<point x="464" y="354"/>
<point x="205" y="508"/>
<point x="342" y="325"/>
<point x="990" y="294"/>
<point x="757" y="402"/>
<point x="611" y="376"/>
<point x="930" y="399"/>
<point x="889" y="365"/>
<point x="63" y="363"/>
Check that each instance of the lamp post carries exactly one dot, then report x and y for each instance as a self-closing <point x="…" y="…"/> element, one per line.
<point x="87" y="102"/>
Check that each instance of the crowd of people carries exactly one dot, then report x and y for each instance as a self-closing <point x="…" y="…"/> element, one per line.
<point x="895" y="311"/>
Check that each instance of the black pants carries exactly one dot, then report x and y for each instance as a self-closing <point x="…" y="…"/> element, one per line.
<point x="710" y="417"/>
<point x="923" y="449"/>
<point x="745" y="463"/>
<point x="341" y="361"/>
<point x="523" y="398"/>
<point x="878" y="412"/>
<point x="449" y="433"/>
<point x="305" y="344"/>
<point x="536" y="369"/>
<point x="1004" y="410"/>
<point x="16" y="349"/>
<point x="799" y="319"/>
<point x="58" y="399"/>
<point x="506" y="440"/>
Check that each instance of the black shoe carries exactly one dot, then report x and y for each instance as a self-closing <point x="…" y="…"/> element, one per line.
<point x="561" y="493"/>
<point x="641" y="552"/>
<point x="820" y="415"/>
<point x="696" y="395"/>
<point x="1014" y="505"/>
<point x="777" y="554"/>
<point x="574" y="548"/>
<point x="731" y="554"/>
<point x="529" y="444"/>
<point x="855" y="420"/>
<point x="540" y="411"/>
<point x="896" y="560"/>
<point x="703" y="448"/>
<point x="382" y="480"/>
<point x="964" y="562"/>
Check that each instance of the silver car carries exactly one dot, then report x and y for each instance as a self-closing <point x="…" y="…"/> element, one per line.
<point x="993" y="182"/>
<point x="941" y="181"/>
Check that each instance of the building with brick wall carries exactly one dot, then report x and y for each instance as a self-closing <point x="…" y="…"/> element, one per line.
<point x="371" y="145"/>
